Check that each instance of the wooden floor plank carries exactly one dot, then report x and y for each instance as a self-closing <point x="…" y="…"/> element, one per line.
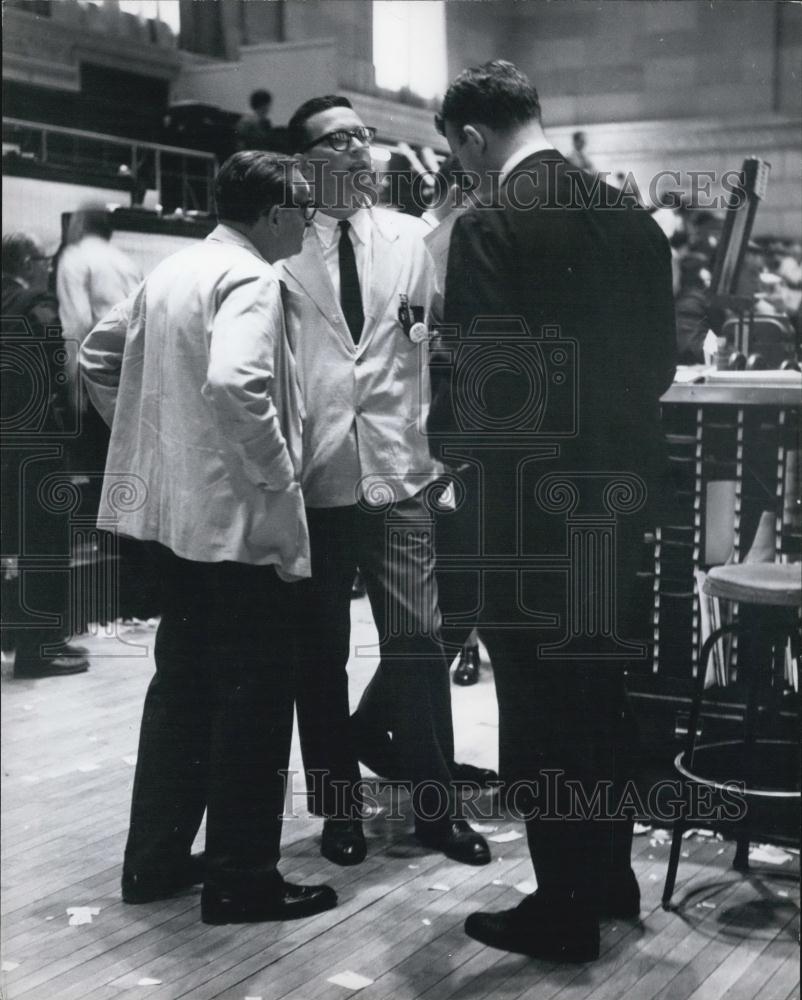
<point x="65" y="809"/>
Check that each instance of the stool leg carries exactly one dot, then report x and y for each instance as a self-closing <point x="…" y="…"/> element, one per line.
<point x="762" y="651"/>
<point x="681" y="823"/>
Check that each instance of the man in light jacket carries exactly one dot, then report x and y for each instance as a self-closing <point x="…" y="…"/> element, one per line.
<point x="356" y="298"/>
<point x="195" y="376"/>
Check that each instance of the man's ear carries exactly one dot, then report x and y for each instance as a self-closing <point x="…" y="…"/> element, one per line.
<point x="474" y="137"/>
<point x="272" y="216"/>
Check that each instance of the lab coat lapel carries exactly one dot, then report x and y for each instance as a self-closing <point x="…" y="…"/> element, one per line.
<point x="309" y="270"/>
<point x="385" y="274"/>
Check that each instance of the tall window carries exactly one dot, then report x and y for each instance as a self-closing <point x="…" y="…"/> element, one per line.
<point x="409" y="45"/>
<point x="163" y="10"/>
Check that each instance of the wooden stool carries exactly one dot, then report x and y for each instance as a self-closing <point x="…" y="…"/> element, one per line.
<point x="777" y="588"/>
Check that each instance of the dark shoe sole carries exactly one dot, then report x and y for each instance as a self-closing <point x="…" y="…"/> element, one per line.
<point x="545" y="951"/>
<point x="60" y="670"/>
<point x="231" y="912"/>
<point x="338" y="857"/>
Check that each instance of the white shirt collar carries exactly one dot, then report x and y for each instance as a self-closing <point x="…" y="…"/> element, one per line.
<point x="521" y="154"/>
<point x="326" y="227"/>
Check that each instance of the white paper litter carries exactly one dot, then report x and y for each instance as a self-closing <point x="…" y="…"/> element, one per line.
<point x="767" y="854"/>
<point x="527" y="887"/>
<point x="707" y="904"/>
<point x="439" y="887"/>
<point x="10" y="966"/>
<point x="147" y="981"/>
<point x="350" y="980"/>
<point x="783" y="893"/>
<point x="659" y="837"/>
<point x="505" y="838"/>
<point x="81" y="914"/>
<point x="426" y="922"/>
<point x="497" y="881"/>
<point x="653" y="878"/>
<point x="685" y="854"/>
<point x="413" y="867"/>
<point x="640" y="828"/>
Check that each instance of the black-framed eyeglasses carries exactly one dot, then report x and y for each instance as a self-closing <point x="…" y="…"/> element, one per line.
<point x="339" y="139"/>
<point x="440" y="123"/>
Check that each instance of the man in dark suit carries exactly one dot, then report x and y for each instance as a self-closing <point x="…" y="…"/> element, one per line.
<point x="559" y="324"/>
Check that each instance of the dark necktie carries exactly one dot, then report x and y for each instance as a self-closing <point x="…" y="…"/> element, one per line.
<point x="350" y="295"/>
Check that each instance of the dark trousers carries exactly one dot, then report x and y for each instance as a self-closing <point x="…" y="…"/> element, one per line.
<point x="217" y="723"/>
<point x="565" y="729"/>
<point x="409" y="695"/>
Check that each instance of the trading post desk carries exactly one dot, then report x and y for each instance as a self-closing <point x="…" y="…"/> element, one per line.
<point x="734" y="446"/>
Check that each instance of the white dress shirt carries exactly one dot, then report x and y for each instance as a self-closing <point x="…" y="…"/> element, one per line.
<point x="521" y="154"/>
<point x="361" y="235"/>
<point x="93" y="275"/>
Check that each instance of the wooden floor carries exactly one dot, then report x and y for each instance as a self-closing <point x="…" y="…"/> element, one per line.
<point x="69" y="747"/>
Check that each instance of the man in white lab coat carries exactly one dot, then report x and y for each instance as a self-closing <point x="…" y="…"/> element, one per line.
<point x="195" y="376"/>
<point x="357" y="293"/>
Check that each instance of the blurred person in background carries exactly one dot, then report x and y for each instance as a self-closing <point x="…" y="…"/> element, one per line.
<point x="92" y="276"/>
<point x="691" y="309"/>
<point x="255" y="131"/>
<point x="31" y="369"/>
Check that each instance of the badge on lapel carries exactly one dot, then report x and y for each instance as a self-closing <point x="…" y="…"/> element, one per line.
<point x="411" y="320"/>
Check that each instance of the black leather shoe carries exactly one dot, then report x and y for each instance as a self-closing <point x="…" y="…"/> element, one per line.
<point x="469" y="774"/>
<point x="66" y="660"/>
<point x="467" y="670"/>
<point x="456" y="840"/>
<point x="621" y="898"/>
<point x="144" y="888"/>
<point x="343" y="842"/>
<point x="553" y="931"/>
<point x="284" y="902"/>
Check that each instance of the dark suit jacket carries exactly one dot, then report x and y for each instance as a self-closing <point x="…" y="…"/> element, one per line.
<point x="572" y="262"/>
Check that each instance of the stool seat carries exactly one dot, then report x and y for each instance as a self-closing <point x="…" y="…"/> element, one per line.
<point x="776" y="584"/>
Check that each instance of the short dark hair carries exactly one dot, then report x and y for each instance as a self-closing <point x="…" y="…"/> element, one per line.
<point x="18" y="248"/>
<point x="296" y="127"/>
<point x="259" y="98"/>
<point x="251" y="182"/>
<point x="496" y="94"/>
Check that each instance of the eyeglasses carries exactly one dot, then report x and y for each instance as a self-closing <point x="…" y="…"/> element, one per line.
<point x="340" y="139"/>
<point x="440" y="123"/>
